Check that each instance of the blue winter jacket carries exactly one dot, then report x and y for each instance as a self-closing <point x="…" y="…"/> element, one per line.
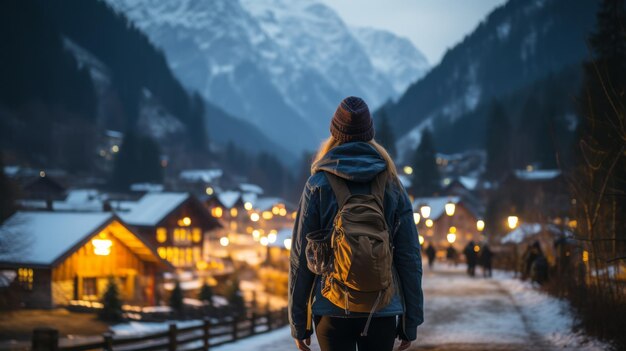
<point x="359" y="163"/>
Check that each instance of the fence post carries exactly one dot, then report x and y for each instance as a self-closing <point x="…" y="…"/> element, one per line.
<point x="235" y="324"/>
<point x="108" y="341"/>
<point x="268" y="318"/>
<point x="206" y="329"/>
<point x="45" y="339"/>
<point x="171" y="346"/>
<point x="253" y="323"/>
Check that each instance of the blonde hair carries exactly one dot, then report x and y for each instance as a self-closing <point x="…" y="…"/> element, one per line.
<point x="331" y="142"/>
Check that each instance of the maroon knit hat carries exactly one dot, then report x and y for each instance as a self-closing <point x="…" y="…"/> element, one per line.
<point x="352" y="121"/>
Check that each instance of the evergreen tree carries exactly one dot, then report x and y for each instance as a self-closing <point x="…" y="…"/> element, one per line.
<point x="176" y="299"/>
<point x="206" y="294"/>
<point x="235" y="298"/>
<point x="384" y="134"/>
<point x="498" y="141"/>
<point x="426" y="177"/>
<point x="112" y="304"/>
<point x="7" y="194"/>
<point x="138" y="161"/>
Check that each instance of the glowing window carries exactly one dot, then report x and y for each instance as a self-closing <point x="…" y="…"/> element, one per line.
<point x="161" y="235"/>
<point x="25" y="278"/>
<point x="197" y="235"/>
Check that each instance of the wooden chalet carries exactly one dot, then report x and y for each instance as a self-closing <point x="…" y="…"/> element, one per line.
<point x="177" y="224"/>
<point x="61" y="257"/>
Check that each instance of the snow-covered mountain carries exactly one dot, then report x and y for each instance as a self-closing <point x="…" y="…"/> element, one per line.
<point x="282" y="65"/>
<point x="393" y="56"/>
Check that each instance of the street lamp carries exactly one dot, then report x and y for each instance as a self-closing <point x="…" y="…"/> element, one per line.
<point x="408" y="170"/>
<point x="224" y="241"/>
<point x="416" y="217"/>
<point x="480" y="225"/>
<point x="450" y="207"/>
<point x="425" y="211"/>
<point x="451" y="238"/>
<point x="429" y="223"/>
<point x="254" y="217"/>
<point x="287" y="243"/>
<point x="512" y="221"/>
<point x="421" y="239"/>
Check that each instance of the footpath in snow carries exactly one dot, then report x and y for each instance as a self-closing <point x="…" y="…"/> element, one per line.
<point x="463" y="313"/>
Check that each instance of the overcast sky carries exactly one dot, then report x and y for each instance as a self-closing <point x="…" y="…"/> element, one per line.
<point x="432" y="25"/>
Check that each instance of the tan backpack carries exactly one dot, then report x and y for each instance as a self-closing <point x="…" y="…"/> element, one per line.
<point x="360" y="279"/>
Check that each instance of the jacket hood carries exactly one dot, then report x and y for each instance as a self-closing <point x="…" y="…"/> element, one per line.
<point x="354" y="161"/>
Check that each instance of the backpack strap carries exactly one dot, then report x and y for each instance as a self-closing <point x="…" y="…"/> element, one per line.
<point x="378" y="187"/>
<point x="340" y="188"/>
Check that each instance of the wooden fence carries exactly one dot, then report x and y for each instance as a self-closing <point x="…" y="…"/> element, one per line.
<point x="203" y="336"/>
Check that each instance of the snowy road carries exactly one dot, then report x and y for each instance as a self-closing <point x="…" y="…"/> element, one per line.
<point x="464" y="314"/>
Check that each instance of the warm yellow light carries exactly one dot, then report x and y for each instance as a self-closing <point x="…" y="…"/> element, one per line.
<point x="425" y="211"/>
<point x="102" y="247"/>
<point x="275" y="210"/>
<point x="186" y="221"/>
<point x="476" y="248"/>
<point x="217" y="212"/>
<point x="282" y="212"/>
<point x="161" y="234"/>
<point x="162" y="252"/>
<point x="249" y="229"/>
<point x="115" y="148"/>
<point x="264" y="241"/>
<point x="480" y="225"/>
<point x="267" y="215"/>
<point x="256" y="235"/>
<point x="271" y="237"/>
<point x="512" y="221"/>
<point x="585" y="256"/>
<point x="247" y="206"/>
<point x="287" y="243"/>
<point x="451" y="237"/>
<point x="450" y="207"/>
<point x="254" y="217"/>
<point x="234" y="212"/>
<point x="573" y="223"/>
<point x="209" y="190"/>
<point x="452" y="230"/>
<point x="294" y="214"/>
<point x="202" y="265"/>
<point x="429" y="223"/>
<point x="224" y="241"/>
<point x="416" y="218"/>
<point x="408" y="170"/>
<point x="421" y="239"/>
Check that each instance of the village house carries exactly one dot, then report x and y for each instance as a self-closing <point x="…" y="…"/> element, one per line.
<point x="60" y="257"/>
<point x="177" y="224"/>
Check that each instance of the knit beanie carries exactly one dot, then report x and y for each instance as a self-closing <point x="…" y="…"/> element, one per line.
<point x="352" y="121"/>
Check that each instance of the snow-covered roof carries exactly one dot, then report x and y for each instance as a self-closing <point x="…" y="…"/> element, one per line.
<point x="436" y="204"/>
<point x="469" y="182"/>
<point x="81" y="200"/>
<point x="152" y="208"/>
<point x="543" y="174"/>
<point x="251" y="188"/>
<point x="266" y="203"/>
<point x="147" y="187"/>
<point x="201" y="175"/>
<point x="114" y="134"/>
<point x="249" y="197"/>
<point x="45" y="236"/>
<point x="526" y="230"/>
<point x="229" y="198"/>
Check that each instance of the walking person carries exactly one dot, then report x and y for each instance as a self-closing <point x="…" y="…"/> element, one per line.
<point x="452" y="255"/>
<point x="355" y="264"/>
<point x="486" y="258"/>
<point x="431" y="252"/>
<point x="470" y="258"/>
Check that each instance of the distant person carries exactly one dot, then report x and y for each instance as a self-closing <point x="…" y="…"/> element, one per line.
<point x="352" y="170"/>
<point x="533" y="251"/>
<point x="486" y="257"/>
<point x="431" y="252"/>
<point x="452" y="255"/>
<point x="471" y="258"/>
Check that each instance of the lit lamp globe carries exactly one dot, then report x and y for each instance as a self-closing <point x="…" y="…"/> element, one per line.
<point x="512" y="221"/>
<point x="450" y="207"/>
<point x="416" y="217"/>
<point x="429" y="223"/>
<point x="480" y="225"/>
<point x="421" y="239"/>
<point x="451" y="237"/>
<point x="224" y="241"/>
<point x="425" y="211"/>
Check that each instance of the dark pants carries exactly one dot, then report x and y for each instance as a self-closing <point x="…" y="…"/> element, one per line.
<point x="344" y="334"/>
